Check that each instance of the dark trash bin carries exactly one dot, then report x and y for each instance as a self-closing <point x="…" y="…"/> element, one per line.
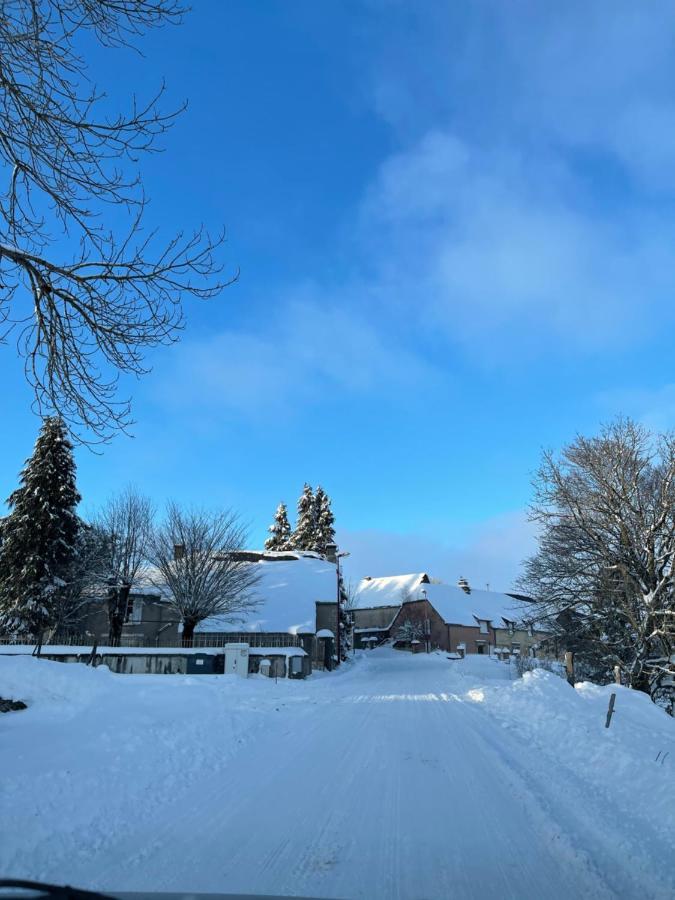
<point x="205" y="664"/>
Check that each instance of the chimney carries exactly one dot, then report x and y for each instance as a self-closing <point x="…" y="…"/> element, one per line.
<point x="464" y="585"/>
<point x="178" y="552"/>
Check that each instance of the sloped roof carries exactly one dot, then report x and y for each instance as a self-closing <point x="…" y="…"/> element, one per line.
<point x="289" y="591"/>
<point x="452" y="603"/>
<point x="459" y="608"/>
<point x="388" y="591"/>
<point x="148" y="583"/>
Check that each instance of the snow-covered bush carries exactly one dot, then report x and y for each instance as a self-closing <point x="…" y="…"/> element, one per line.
<point x="530" y="664"/>
<point x="410" y="631"/>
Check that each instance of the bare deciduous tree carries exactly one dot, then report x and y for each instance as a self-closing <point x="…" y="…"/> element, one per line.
<point x="604" y="574"/>
<point x="125" y="524"/>
<point x="83" y="582"/>
<point x="85" y="297"/>
<point x="195" y="556"/>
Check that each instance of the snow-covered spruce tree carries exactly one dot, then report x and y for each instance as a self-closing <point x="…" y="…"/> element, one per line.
<point x="40" y="535"/>
<point x="324" y="521"/>
<point x="304" y="536"/>
<point x="345" y="620"/>
<point x="280" y="530"/>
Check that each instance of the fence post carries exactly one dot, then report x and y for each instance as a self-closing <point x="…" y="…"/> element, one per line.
<point x="569" y="666"/>
<point x="610" y="709"/>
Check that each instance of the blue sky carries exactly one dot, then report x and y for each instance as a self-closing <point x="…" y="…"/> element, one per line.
<point x="454" y="225"/>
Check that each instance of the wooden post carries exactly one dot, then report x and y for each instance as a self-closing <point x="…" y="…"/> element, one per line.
<point x="610" y="709"/>
<point x="569" y="666"/>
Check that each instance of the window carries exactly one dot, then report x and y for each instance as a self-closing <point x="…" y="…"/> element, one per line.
<point x="483" y="626"/>
<point x="135" y="610"/>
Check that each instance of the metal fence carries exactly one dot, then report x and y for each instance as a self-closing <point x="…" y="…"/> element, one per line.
<point x="253" y="639"/>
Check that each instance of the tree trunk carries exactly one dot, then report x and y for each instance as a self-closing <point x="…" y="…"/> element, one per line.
<point x="569" y="667"/>
<point x="639" y="681"/>
<point x="188" y="631"/>
<point x="117" y="613"/>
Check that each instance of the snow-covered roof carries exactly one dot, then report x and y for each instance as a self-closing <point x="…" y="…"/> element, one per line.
<point x="289" y="591"/>
<point x="452" y="603"/>
<point x="459" y="608"/>
<point x="388" y="591"/>
<point x="148" y="583"/>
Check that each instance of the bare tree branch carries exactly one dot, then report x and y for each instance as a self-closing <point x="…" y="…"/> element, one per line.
<point x="193" y="552"/>
<point x="125" y="523"/>
<point x="604" y="574"/>
<point x="85" y="299"/>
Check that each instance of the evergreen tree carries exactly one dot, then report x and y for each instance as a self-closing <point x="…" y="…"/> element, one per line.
<point x="345" y="622"/>
<point x="280" y="530"/>
<point x="304" y="536"/>
<point x="325" y="521"/>
<point x="40" y="534"/>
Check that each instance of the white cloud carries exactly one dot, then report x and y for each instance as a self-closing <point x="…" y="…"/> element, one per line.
<point x="595" y="76"/>
<point x="486" y="231"/>
<point x="504" y="250"/>
<point x="304" y="352"/>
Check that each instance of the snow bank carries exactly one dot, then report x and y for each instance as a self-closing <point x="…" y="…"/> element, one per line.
<point x="42" y="682"/>
<point x="455" y="779"/>
<point x="623" y="765"/>
<point x="96" y="752"/>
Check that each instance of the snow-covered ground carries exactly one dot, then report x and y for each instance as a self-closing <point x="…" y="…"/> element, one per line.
<point x="399" y="776"/>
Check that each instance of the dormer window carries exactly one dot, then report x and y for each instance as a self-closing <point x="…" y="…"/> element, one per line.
<point x="484" y="626"/>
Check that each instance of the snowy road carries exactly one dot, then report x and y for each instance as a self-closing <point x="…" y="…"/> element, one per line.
<point x="390" y="780"/>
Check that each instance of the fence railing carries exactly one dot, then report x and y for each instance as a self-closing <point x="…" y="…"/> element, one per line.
<point x="253" y="639"/>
